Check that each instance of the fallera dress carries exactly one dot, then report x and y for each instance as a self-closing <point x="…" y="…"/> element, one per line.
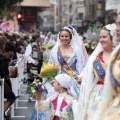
<point x="96" y="95"/>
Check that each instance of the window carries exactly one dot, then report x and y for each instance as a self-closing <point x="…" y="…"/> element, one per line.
<point x="80" y="16"/>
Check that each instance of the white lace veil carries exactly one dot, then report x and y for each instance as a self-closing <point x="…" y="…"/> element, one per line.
<point x="87" y="81"/>
<point x="46" y="38"/>
<point x="79" y="40"/>
<point x="53" y="54"/>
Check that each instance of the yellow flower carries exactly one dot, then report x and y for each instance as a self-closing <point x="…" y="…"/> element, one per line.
<point x="36" y="84"/>
<point x="32" y="88"/>
<point x="48" y="70"/>
<point x="50" y="46"/>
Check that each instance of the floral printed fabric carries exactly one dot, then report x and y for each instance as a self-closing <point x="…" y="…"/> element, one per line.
<point x="96" y="97"/>
<point x="41" y="116"/>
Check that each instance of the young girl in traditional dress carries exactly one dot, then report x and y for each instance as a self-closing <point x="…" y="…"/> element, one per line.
<point x="68" y="56"/>
<point x="62" y="104"/>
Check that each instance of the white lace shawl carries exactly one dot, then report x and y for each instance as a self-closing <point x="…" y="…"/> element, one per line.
<point x="87" y="82"/>
<point x="79" y="41"/>
<point x="109" y="92"/>
<point x="80" y="61"/>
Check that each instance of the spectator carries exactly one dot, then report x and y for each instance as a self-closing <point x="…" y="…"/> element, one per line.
<point x="5" y="57"/>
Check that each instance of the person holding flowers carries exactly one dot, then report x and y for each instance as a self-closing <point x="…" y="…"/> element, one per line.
<point x="68" y="56"/>
<point x="62" y="104"/>
<point x="91" y="91"/>
<point x="37" y="90"/>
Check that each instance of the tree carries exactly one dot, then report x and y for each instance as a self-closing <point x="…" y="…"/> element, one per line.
<point x="9" y="6"/>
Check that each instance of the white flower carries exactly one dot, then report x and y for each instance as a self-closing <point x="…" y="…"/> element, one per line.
<point x="43" y="87"/>
<point x="112" y="28"/>
<point x="94" y="33"/>
<point x="40" y="83"/>
<point x="86" y="44"/>
<point x="33" y="91"/>
<point x="93" y="47"/>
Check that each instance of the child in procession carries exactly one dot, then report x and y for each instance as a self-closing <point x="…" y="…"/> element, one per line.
<point x="63" y="103"/>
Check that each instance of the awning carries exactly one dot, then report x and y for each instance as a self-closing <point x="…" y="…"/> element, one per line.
<point x="36" y="3"/>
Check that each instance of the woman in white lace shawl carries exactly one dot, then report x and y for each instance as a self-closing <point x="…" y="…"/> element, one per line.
<point x="89" y="80"/>
<point x="109" y="92"/>
<point x="74" y="60"/>
<point x="79" y="40"/>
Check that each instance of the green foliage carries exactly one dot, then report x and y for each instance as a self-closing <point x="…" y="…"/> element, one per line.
<point x="8" y="6"/>
<point x="35" y="87"/>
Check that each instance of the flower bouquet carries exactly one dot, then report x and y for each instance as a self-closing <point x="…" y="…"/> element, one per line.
<point x="90" y="45"/>
<point x="50" y="46"/>
<point x="87" y="44"/>
<point x="43" y="47"/>
<point x="48" y="71"/>
<point x="94" y="45"/>
<point x="35" y="88"/>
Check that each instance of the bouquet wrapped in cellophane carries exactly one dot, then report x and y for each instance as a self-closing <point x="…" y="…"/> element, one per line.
<point x="48" y="71"/>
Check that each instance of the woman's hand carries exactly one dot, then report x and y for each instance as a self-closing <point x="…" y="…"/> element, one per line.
<point x="39" y="96"/>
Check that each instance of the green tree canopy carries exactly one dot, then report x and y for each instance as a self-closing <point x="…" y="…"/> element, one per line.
<point x="8" y="6"/>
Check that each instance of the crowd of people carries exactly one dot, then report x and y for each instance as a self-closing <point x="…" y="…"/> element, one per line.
<point x="85" y="87"/>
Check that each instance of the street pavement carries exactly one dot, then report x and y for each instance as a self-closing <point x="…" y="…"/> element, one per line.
<point x="24" y="112"/>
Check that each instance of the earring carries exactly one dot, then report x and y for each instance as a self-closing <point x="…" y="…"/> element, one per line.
<point x="113" y="46"/>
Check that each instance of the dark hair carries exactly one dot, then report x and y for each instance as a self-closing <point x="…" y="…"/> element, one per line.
<point x="70" y="34"/>
<point x="104" y="28"/>
<point x="18" y="49"/>
<point x="117" y="16"/>
<point x="9" y="46"/>
<point x="2" y="43"/>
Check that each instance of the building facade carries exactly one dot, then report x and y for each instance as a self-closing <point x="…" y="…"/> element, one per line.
<point x="32" y="15"/>
<point x="32" y="9"/>
<point x="68" y="12"/>
<point x="112" y="9"/>
<point x="95" y="10"/>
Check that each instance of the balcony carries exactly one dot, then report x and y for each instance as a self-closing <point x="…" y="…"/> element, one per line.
<point x="36" y="3"/>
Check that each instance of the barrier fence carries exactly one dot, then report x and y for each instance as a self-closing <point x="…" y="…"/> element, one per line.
<point x="1" y="99"/>
<point x="17" y="86"/>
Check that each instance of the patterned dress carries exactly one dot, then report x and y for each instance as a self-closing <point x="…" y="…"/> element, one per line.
<point x="71" y="60"/>
<point x="42" y="115"/>
<point x="113" y="110"/>
<point x="96" y="96"/>
<point x="62" y="107"/>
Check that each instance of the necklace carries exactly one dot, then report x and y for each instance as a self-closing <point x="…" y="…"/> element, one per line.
<point x="65" y="49"/>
